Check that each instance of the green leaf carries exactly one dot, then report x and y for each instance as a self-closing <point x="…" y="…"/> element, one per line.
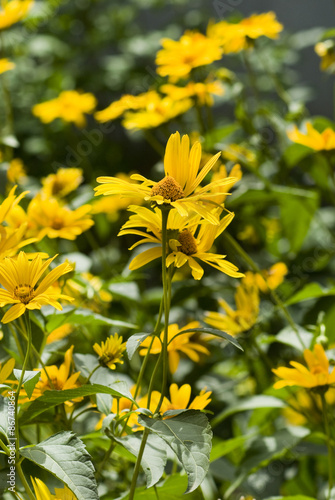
<point x="82" y="317"/>
<point x="126" y="290"/>
<point x="171" y="489"/>
<point x="134" y="342"/>
<point x="65" y="456"/>
<point x="222" y="448"/>
<point x="189" y="436"/>
<point x="310" y="291"/>
<point x="51" y="399"/>
<point x="154" y="457"/>
<point x="260" y="401"/>
<point x="213" y="331"/>
<point x="292" y="497"/>
<point x="30" y="379"/>
<point x="289" y="337"/>
<point x="295" y="153"/>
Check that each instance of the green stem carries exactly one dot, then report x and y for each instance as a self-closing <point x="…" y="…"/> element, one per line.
<point x="90" y="375"/>
<point x="330" y="450"/>
<point x="138" y="464"/>
<point x="4" y="447"/>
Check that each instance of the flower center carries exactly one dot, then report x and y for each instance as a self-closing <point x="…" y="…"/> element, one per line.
<point x="188" y="244"/>
<point x="168" y="188"/>
<point x="57" y="186"/>
<point x="57" y="223"/>
<point x="24" y="293"/>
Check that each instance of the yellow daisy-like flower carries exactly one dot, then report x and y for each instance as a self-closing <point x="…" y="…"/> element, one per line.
<point x="42" y="492"/>
<point x="6" y="65"/>
<point x="178" y="58"/>
<point x="189" y="240"/>
<point x="326" y="50"/>
<point x="180" y="187"/>
<point x="316" y="375"/>
<point x="268" y="279"/>
<point x="13" y="11"/>
<point x="111" y="351"/>
<point x="239" y="36"/>
<point x="246" y="313"/>
<point x="63" y="182"/>
<point x="48" y="217"/>
<point x="306" y="406"/>
<point x="177" y="344"/>
<point x="319" y="141"/>
<point x="70" y="106"/>
<point x="19" y="277"/>
<point x="16" y="171"/>
<point x="202" y="91"/>
<point x="180" y="399"/>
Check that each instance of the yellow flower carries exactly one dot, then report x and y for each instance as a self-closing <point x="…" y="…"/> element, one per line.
<point x="19" y="279"/>
<point x="316" y="375"/>
<point x="189" y="239"/>
<point x="16" y="171"/>
<point x="42" y="492"/>
<point x="202" y="91"/>
<point x="239" y="36"/>
<point x="177" y="343"/>
<point x="49" y="218"/>
<point x="70" y="106"/>
<point x="122" y="407"/>
<point x="111" y="351"/>
<point x="326" y="50"/>
<point x="245" y="315"/>
<point x="268" y="279"/>
<point x="306" y="406"/>
<point x="180" y="399"/>
<point x="59" y="333"/>
<point x="6" y="64"/>
<point x="62" y="182"/>
<point x="61" y="379"/>
<point x="13" y="11"/>
<point x="235" y="175"/>
<point x="180" y="186"/>
<point x="178" y="58"/>
<point x="237" y="152"/>
<point x="318" y="141"/>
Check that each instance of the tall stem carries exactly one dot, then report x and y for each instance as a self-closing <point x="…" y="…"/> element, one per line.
<point x="330" y="450"/>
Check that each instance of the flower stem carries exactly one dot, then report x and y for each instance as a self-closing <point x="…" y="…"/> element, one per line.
<point x="330" y="450"/>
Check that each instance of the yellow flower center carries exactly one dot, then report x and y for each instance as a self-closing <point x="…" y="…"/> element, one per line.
<point x="188" y="244"/>
<point x="57" y="223"/>
<point x="24" y="293"/>
<point x="168" y="188"/>
<point x="57" y="385"/>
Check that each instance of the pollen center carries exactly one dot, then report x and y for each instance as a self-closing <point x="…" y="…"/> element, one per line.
<point x="188" y="243"/>
<point x="24" y="293"/>
<point x="168" y="188"/>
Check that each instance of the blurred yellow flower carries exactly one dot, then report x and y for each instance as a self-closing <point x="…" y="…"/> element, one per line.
<point x="9" y="203"/>
<point x="318" y="141"/>
<point x="13" y="11"/>
<point x="234" y="37"/>
<point x="203" y="92"/>
<point x="59" y="333"/>
<point x="221" y="173"/>
<point x="19" y="277"/>
<point x="111" y="351"/>
<point x="42" y="492"/>
<point x="5" y="64"/>
<point x="58" y="379"/>
<point x="16" y="171"/>
<point x="238" y="152"/>
<point x="306" y="406"/>
<point x="48" y="217"/>
<point x="121" y="406"/>
<point x="125" y="103"/>
<point x="177" y="58"/>
<point x="189" y="239"/>
<point x="6" y="370"/>
<point x="180" y="399"/>
<point x="316" y="375"/>
<point x="70" y="106"/>
<point x="246" y="313"/>
<point x="63" y="182"/>
<point x="268" y="279"/>
<point x="178" y="342"/>
<point x="326" y="50"/>
<point x="180" y="186"/>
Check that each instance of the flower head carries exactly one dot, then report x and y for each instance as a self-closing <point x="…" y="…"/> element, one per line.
<point x="319" y="141"/>
<point x="177" y="58"/>
<point x="63" y="182"/>
<point x="111" y="351"/>
<point x="316" y="375"/>
<point x="70" y="106"/>
<point x="19" y="277"/>
<point x="180" y="187"/>
<point x="180" y="399"/>
<point x="268" y="280"/>
<point x="178" y="343"/>
<point x="6" y="65"/>
<point x="201" y="91"/>
<point x="16" y="171"/>
<point x="13" y="11"/>
<point x="326" y="50"/>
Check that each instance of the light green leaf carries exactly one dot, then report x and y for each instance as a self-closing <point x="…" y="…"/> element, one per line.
<point x="308" y="292"/>
<point x="30" y="379"/>
<point x="222" y="448"/>
<point x="289" y="337"/>
<point x="127" y="290"/>
<point x="171" y="489"/>
<point x="214" y="331"/>
<point x="50" y="399"/>
<point x="134" y="342"/>
<point x="189" y="436"/>
<point x="65" y="456"/>
<point x="154" y="457"/>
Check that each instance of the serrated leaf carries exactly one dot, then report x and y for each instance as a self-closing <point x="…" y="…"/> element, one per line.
<point x="134" y="342"/>
<point x="30" y="379"/>
<point x="213" y="331"/>
<point x="50" y="399"/>
<point x="190" y="437"/>
<point x="65" y="456"/>
<point x="154" y="457"/>
<point x="77" y="316"/>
